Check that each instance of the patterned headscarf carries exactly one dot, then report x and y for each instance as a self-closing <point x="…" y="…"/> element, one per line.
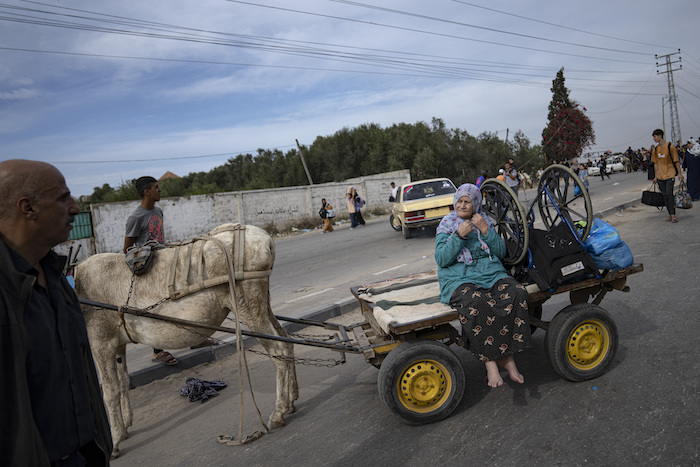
<point x="452" y="221"/>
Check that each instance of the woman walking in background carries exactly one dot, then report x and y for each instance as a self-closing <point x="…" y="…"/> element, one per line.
<point x="351" y="208"/>
<point x="327" y="209"/>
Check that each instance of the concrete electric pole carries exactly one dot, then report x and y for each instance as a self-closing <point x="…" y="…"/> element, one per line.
<point x="672" y="98"/>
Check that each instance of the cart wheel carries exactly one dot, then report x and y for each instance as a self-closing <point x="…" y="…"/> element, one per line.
<point x="421" y="381"/>
<point x="395" y="223"/>
<point x="501" y="204"/>
<point x="581" y="342"/>
<point x="406" y="232"/>
<point x="557" y="202"/>
<point x="537" y="313"/>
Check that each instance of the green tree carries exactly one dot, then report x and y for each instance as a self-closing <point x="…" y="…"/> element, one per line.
<point x="569" y="131"/>
<point x="100" y="194"/>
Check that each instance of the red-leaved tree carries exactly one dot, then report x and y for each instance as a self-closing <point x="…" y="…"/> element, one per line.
<point x="568" y="129"/>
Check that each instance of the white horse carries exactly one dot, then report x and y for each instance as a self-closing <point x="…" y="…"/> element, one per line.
<point x="525" y="180"/>
<point x="106" y="278"/>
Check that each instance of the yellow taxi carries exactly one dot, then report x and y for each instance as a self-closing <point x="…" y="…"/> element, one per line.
<point x="422" y="203"/>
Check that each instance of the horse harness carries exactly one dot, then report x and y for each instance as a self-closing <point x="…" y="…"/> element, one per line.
<point x="139" y="260"/>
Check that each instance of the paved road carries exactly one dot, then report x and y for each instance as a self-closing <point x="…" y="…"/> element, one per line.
<point x="644" y="411"/>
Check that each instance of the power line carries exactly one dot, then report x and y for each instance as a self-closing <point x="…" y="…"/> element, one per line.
<point x="451" y="36"/>
<point x="484" y="28"/>
<point x="560" y="26"/>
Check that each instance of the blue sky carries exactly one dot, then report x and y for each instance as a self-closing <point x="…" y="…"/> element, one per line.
<point x="109" y="91"/>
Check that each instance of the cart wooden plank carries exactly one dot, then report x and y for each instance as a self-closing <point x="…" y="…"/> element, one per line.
<point x="447" y="314"/>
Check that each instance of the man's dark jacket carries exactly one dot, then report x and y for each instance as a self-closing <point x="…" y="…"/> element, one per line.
<point x="20" y="442"/>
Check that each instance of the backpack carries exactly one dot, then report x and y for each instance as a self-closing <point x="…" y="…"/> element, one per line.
<point x="558" y="258"/>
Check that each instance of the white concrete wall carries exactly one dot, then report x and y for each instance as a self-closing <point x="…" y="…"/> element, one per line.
<point x="83" y="247"/>
<point x="189" y="216"/>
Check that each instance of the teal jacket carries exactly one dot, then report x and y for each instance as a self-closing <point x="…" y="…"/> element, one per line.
<point x="485" y="271"/>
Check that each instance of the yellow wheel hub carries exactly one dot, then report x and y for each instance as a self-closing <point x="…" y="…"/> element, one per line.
<point x="588" y="344"/>
<point x="424" y="386"/>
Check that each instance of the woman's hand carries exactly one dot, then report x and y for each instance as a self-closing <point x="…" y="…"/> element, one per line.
<point x="480" y="223"/>
<point x="465" y="228"/>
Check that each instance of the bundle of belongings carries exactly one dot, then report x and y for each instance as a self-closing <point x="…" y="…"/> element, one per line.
<point x="606" y="247"/>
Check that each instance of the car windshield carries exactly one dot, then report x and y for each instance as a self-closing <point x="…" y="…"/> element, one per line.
<point x="428" y="190"/>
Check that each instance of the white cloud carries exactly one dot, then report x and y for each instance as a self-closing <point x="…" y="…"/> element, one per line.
<point x="19" y="94"/>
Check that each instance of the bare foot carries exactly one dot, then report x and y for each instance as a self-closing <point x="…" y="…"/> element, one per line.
<point x="493" y="375"/>
<point x="509" y="364"/>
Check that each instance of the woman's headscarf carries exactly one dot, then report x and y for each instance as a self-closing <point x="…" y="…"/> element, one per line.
<point x="452" y="221"/>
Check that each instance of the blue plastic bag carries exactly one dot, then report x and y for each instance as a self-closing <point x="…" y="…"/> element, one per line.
<point x="617" y="257"/>
<point x="603" y="237"/>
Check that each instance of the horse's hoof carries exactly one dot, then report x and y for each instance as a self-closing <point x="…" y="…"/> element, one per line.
<point x="115" y="454"/>
<point x="292" y="409"/>
<point x="272" y="424"/>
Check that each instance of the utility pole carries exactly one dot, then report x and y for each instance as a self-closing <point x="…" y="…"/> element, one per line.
<point x="306" y="169"/>
<point x="672" y="98"/>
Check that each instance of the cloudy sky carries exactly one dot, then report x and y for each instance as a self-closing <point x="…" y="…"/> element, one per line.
<point x="109" y="91"/>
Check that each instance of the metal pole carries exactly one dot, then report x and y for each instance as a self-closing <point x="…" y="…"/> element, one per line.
<point x="672" y="97"/>
<point x="306" y="169"/>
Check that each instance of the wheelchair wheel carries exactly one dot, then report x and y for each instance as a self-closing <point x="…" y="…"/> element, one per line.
<point x="501" y="204"/>
<point x="562" y="197"/>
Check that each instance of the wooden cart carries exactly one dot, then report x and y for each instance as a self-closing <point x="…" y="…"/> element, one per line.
<point x="407" y="334"/>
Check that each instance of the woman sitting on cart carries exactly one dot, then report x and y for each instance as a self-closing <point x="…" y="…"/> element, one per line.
<point x="492" y="305"/>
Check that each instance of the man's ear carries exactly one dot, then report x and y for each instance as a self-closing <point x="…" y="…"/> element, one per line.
<point x="26" y="208"/>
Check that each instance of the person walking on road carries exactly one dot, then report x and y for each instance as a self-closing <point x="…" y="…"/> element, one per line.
<point x="512" y="178"/>
<point x="351" y="209"/>
<point x="603" y="165"/>
<point x="664" y="156"/>
<point x="327" y="223"/>
<point x="394" y="191"/>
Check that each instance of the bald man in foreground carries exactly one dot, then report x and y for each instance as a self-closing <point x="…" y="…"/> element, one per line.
<point x="50" y="400"/>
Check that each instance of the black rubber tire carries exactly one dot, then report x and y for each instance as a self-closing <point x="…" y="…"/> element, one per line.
<point x="394" y="223"/>
<point x="501" y="204"/>
<point x="421" y="381"/>
<point x="561" y="203"/>
<point x="406" y="232"/>
<point x="581" y="342"/>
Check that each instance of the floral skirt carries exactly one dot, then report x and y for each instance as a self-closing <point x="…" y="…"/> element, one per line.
<point x="495" y="321"/>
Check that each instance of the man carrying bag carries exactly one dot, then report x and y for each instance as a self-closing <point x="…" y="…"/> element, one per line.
<point x="667" y="166"/>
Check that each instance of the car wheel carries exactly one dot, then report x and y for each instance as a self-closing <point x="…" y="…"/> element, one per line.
<point x="406" y="232"/>
<point x="395" y="223"/>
